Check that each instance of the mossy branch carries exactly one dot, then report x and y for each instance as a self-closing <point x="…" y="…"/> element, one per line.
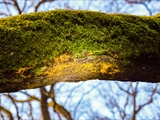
<point x="38" y="49"/>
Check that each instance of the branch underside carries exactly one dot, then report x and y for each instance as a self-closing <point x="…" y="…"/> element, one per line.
<point x="67" y="69"/>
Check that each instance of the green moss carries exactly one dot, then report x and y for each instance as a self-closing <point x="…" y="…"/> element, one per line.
<point x="31" y="39"/>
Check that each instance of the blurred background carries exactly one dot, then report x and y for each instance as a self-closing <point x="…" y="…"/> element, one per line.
<point x="91" y="100"/>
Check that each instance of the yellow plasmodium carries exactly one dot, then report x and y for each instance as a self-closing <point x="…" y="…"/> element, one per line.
<point x="22" y="71"/>
<point x="108" y="68"/>
<point x="67" y="67"/>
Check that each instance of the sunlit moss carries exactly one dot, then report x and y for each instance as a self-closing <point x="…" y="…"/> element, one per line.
<point x="35" y="39"/>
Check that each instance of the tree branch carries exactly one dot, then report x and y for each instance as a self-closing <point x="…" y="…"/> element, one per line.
<point x="17" y="6"/>
<point x="7" y="112"/>
<point x="40" y="49"/>
<point x="57" y="107"/>
<point x="41" y="2"/>
<point x="44" y="105"/>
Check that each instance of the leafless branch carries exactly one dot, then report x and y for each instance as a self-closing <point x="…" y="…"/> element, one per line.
<point x="56" y="107"/>
<point x="41" y="2"/>
<point x="24" y="5"/>
<point x="17" y="6"/>
<point x="17" y="112"/>
<point x="145" y="5"/>
<point x="134" y="94"/>
<point x="31" y="110"/>
<point x="150" y="100"/>
<point x="80" y="100"/>
<point x="137" y="1"/>
<point x="6" y="5"/>
<point x="121" y="88"/>
<point x="44" y="104"/>
<point x="5" y="14"/>
<point x="7" y="112"/>
<point x="141" y="2"/>
<point x="70" y="94"/>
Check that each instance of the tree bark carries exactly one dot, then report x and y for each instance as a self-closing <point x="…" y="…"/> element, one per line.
<point x="44" y="105"/>
<point x="39" y="49"/>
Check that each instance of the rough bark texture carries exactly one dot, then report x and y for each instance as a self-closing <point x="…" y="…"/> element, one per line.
<point x="42" y="48"/>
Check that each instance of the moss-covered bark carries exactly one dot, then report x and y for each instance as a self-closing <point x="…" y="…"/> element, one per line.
<point x="38" y="49"/>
